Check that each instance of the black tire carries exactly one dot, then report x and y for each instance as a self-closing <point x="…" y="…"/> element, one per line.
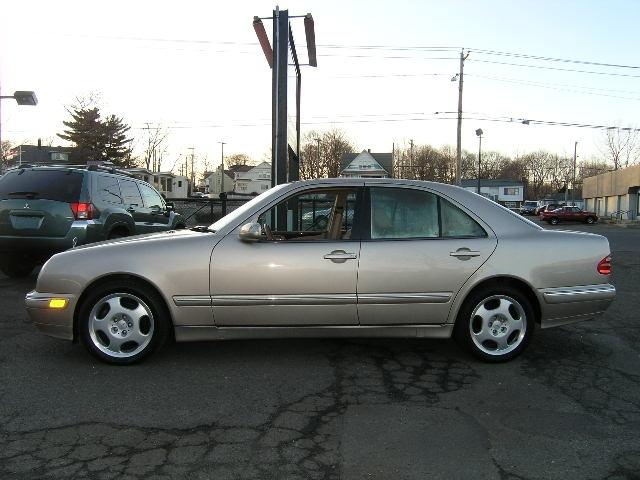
<point x="180" y="226"/>
<point x="554" y="221"/>
<point x="117" y="233"/>
<point x="590" y="220"/>
<point x="98" y="343"/>
<point x="466" y="325"/>
<point x="16" y="266"/>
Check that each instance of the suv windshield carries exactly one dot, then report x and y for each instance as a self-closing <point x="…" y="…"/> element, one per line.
<point x="60" y="185"/>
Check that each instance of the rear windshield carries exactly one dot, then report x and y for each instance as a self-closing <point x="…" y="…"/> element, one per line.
<point x="60" y="185"/>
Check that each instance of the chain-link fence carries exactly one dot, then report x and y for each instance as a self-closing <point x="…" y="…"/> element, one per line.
<point x="203" y="210"/>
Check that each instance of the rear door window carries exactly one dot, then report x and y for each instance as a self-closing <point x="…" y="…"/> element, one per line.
<point x="59" y="185"/>
<point x="109" y="190"/>
<point x="130" y="193"/>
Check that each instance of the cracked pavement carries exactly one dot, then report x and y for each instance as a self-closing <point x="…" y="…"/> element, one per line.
<point x="322" y="409"/>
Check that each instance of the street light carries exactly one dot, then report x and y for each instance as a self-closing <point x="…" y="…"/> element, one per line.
<point x="23" y="97"/>
<point x="479" y="133"/>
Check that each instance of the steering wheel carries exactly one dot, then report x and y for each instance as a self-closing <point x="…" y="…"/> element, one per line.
<point x="267" y="232"/>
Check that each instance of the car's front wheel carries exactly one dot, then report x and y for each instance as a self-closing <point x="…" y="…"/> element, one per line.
<point x="122" y="321"/>
<point x="495" y="325"/>
<point x="554" y="221"/>
<point x="590" y="220"/>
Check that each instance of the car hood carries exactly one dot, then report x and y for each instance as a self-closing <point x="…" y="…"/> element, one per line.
<point x="169" y="235"/>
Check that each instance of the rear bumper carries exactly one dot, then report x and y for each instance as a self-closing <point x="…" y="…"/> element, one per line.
<point x="564" y="305"/>
<point x="80" y="233"/>
<point x="53" y="322"/>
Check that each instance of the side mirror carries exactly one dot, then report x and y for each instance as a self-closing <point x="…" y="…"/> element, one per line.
<point x="250" y="232"/>
<point x="168" y="208"/>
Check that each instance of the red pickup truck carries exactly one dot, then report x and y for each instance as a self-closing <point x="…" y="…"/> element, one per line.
<point x="568" y="214"/>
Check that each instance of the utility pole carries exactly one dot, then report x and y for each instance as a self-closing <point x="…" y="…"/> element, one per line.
<point x="411" y="157"/>
<point x="192" y="176"/>
<point x="573" y="183"/>
<point x="463" y="57"/>
<point x="222" y="144"/>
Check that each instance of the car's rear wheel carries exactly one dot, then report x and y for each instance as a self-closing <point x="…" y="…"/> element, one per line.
<point x="16" y="266"/>
<point x="117" y="233"/>
<point x="554" y="221"/>
<point x="590" y="220"/>
<point x="495" y="325"/>
<point x="121" y="322"/>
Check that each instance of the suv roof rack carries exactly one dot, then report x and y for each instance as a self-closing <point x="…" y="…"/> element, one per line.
<point x="102" y="168"/>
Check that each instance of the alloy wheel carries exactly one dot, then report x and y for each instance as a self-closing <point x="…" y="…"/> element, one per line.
<point x="498" y="325"/>
<point x="121" y="325"/>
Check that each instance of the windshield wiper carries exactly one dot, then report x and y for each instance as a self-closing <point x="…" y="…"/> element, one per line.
<point x="202" y="229"/>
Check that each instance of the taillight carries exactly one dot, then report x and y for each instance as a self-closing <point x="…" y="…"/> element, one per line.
<point x="83" y="210"/>
<point x="604" y="266"/>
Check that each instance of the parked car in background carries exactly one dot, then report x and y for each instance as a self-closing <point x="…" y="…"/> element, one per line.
<point x="569" y="214"/>
<point x="420" y="259"/>
<point x="45" y="210"/>
<point x="528" y="207"/>
<point x="547" y="208"/>
<point x="198" y="194"/>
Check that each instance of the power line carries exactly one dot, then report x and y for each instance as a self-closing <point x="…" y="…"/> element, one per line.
<point x="555" y="68"/>
<point x="553" y="59"/>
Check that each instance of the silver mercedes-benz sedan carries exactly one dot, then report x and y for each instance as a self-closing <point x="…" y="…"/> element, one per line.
<point x="330" y="258"/>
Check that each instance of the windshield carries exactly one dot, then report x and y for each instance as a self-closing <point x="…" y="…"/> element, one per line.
<point x="241" y="211"/>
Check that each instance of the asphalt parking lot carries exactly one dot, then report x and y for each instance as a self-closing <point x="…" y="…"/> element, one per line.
<point x="374" y="409"/>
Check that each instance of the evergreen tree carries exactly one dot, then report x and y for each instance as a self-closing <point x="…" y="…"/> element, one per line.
<point x="98" y="139"/>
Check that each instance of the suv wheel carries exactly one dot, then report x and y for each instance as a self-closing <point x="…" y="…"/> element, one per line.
<point x="121" y="322"/>
<point x="16" y="266"/>
<point x="495" y="325"/>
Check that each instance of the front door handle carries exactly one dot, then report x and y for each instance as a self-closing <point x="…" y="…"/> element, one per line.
<point x="464" y="253"/>
<point x="340" y="256"/>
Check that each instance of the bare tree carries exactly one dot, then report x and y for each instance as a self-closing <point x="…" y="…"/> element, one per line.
<point x="238" y="159"/>
<point x="620" y="146"/>
<point x="155" y="146"/>
<point x="321" y="153"/>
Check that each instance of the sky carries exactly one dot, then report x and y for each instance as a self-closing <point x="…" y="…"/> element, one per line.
<point x="384" y="69"/>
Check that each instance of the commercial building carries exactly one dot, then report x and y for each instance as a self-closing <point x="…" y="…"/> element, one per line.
<point x="614" y="193"/>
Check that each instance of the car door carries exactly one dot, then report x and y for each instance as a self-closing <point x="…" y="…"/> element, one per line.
<point x="418" y="249"/>
<point x="302" y="272"/>
<point x="135" y="206"/>
<point x="156" y="218"/>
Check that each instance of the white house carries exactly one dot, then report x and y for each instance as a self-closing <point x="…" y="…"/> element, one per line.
<point x="366" y="165"/>
<point x="168" y="184"/>
<point x="254" y="180"/>
<point x="509" y="193"/>
<point x="213" y="181"/>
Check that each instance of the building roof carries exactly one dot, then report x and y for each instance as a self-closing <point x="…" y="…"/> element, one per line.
<point x="40" y="154"/>
<point x="384" y="159"/>
<point x="485" y="182"/>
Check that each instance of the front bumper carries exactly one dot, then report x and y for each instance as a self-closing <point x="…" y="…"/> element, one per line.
<point x="563" y="305"/>
<point x="53" y="322"/>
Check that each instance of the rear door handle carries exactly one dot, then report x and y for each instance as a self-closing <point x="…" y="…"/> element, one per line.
<point x="464" y="253"/>
<point x="340" y="256"/>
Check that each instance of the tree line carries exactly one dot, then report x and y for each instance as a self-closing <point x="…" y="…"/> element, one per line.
<point x="541" y="171"/>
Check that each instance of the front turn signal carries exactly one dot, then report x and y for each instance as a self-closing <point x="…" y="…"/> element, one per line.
<point x="57" y="303"/>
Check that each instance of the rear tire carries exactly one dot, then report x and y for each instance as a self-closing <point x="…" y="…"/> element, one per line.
<point x="496" y="324"/>
<point x="16" y="266"/>
<point x="117" y="233"/>
<point x="554" y="221"/>
<point x="123" y="321"/>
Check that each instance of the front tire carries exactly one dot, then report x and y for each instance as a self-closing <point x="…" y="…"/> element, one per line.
<point x="495" y="325"/>
<point x="554" y="221"/>
<point x="590" y="220"/>
<point x="122" y="321"/>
